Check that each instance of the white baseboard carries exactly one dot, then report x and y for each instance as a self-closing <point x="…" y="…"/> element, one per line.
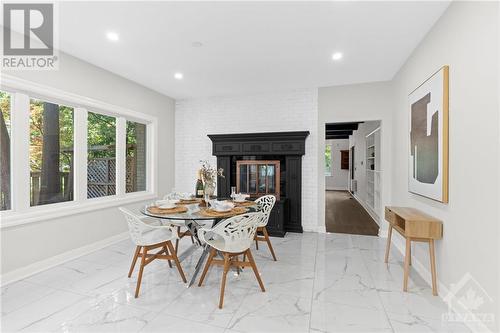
<point x="45" y="264"/>
<point x="442" y="288"/>
<point x="368" y="210"/>
<point x="319" y="229"/>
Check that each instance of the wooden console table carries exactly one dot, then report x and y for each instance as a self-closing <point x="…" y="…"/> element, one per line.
<point x="416" y="226"/>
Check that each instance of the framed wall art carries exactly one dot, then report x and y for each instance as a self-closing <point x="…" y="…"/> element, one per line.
<point x="428" y="127"/>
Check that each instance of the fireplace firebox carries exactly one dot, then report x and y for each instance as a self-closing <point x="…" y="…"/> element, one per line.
<point x="260" y="163"/>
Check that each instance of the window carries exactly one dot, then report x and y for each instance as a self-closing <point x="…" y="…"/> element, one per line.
<point x="5" y="181"/>
<point x="328" y="160"/>
<point x="258" y="178"/>
<point x="101" y="162"/>
<point x="136" y="157"/>
<point x="64" y="156"/>
<point x="51" y="153"/>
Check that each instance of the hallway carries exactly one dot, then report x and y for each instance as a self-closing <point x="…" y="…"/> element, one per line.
<point x="345" y="215"/>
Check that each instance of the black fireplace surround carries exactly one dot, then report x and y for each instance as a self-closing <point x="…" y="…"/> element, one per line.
<point x="288" y="148"/>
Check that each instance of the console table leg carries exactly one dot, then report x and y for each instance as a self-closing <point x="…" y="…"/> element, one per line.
<point x="388" y="246"/>
<point x="409" y="258"/>
<point x="407" y="264"/>
<point x="433" y="267"/>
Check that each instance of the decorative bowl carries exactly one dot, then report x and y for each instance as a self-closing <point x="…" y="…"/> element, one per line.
<point x="221" y="206"/>
<point x="186" y="196"/>
<point x="240" y="197"/>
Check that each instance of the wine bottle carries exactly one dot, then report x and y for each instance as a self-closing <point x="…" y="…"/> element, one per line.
<point x="199" y="186"/>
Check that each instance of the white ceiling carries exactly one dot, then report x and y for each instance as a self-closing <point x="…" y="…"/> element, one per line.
<point x="248" y="47"/>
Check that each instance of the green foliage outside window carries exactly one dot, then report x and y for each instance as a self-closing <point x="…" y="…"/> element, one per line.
<point x="328" y="160"/>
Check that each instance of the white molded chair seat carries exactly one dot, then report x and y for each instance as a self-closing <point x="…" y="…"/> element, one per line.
<point x="180" y="234"/>
<point x="143" y="234"/>
<point x="147" y="237"/>
<point x="265" y="204"/>
<point x="231" y="237"/>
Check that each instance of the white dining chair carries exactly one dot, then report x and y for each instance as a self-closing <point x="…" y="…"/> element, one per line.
<point x="231" y="237"/>
<point x="265" y="204"/>
<point x="181" y="234"/>
<point x="148" y="237"/>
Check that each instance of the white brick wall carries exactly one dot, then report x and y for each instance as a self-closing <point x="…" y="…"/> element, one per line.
<point x="290" y="111"/>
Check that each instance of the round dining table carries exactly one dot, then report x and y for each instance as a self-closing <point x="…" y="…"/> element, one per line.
<point x="193" y="219"/>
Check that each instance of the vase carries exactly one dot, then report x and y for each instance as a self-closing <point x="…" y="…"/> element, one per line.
<point x="210" y="189"/>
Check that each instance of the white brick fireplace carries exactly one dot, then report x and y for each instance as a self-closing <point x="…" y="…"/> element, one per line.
<point x="287" y="111"/>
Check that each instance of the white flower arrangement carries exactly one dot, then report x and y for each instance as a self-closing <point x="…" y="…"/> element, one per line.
<point x="209" y="174"/>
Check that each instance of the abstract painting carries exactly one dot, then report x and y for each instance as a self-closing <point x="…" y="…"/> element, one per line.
<point x="428" y="154"/>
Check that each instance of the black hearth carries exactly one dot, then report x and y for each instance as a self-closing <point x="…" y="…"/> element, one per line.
<point x="286" y="147"/>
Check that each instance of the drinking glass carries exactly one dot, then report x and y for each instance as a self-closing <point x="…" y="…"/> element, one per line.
<point x="206" y="197"/>
<point x="233" y="192"/>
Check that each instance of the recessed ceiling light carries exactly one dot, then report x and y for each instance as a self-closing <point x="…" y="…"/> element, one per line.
<point x="197" y="44"/>
<point x="178" y="76"/>
<point x="112" y="36"/>
<point x="337" y="56"/>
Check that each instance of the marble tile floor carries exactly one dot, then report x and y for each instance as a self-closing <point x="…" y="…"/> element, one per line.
<point x="320" y="283"/>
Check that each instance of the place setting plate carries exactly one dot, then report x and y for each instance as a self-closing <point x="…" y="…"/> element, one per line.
<point x="166" y="211"/>
<point x="210" y="212"/>
<point x="188" y="201"/>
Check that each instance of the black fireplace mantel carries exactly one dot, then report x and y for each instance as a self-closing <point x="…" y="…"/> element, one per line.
<point x="288" y="145"/>
<point x="270" y="143"/>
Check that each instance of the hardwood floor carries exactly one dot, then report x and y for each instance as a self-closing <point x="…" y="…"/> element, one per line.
<point x="345" y="215"/>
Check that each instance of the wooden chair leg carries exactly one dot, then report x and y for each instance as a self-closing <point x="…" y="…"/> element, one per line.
<point x="254" y="267"/>
<point x="139" y="278"/>
<point x="266" y="235"/>
<point x="407" y="264"/>
<point x="223" y="283"/>
<point x="256" y="243"/>
<point x="165" y="248"/>
<point x="388" y="245"/>
<point x="212" y="254"/>
<point x="192" y="239"/>
<point x="433" y="267"/>
<point x="176" y="260"/>
<point x="244" y="259"/>
<point x="136" y="255"/>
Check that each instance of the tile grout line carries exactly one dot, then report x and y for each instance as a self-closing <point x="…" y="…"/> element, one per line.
<point x="314" y="281"/>
<point x="378" y="294"/>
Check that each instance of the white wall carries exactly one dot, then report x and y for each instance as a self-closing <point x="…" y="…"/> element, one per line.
<point x="339" y="177"/>
<point x="288" y="111"/>
<point x="359" y="102"/>
<point x="466" y="38"/>
<point x="32" y="243"/>
<point x="358" y="140"/>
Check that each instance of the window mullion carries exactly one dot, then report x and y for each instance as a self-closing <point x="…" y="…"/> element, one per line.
<point x="151" y="153"/>
<point x="121" y="144"/>
<point x="80" y="154"/>
<point x="20" y="122"/>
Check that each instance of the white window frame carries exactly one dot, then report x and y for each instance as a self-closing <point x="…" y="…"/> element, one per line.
<point x="21" y="213"/>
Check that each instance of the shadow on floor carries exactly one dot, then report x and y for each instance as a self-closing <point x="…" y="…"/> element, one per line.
<point x="345" y="215"/>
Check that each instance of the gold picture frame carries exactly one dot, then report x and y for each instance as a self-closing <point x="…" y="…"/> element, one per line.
<point x="428" y="166"/>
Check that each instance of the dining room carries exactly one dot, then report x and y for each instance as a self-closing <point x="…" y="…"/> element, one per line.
<point x="165" y="168"/>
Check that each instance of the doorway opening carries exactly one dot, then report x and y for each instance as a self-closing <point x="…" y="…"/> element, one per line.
<point x="353" y="177"/>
